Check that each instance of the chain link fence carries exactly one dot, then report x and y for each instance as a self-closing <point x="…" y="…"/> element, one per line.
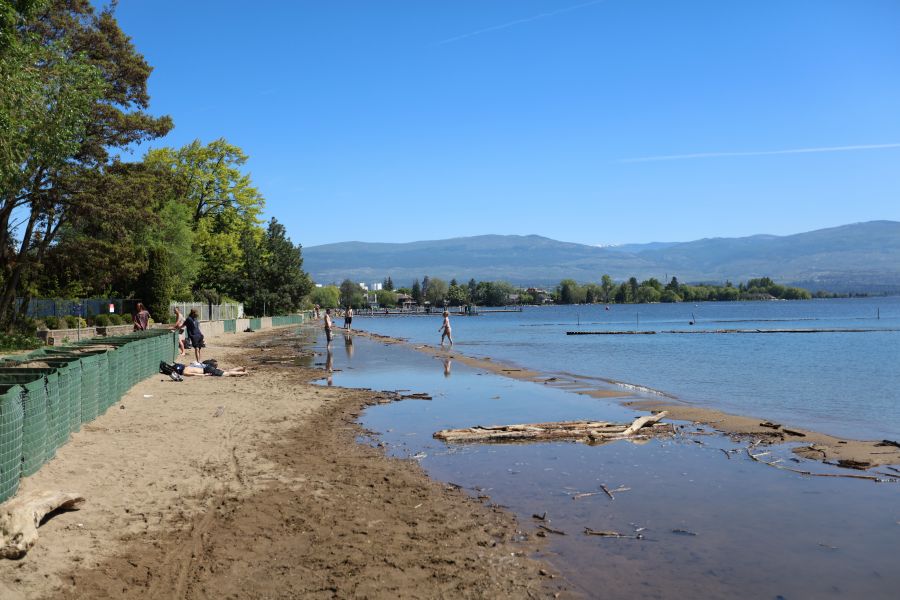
<point x="209" y="312"/>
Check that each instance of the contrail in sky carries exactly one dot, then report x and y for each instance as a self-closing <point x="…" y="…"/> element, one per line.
<point x="517" y="22"/>
<point x="758" y="153"/>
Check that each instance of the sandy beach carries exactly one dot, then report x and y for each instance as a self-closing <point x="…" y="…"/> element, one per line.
<point x="259" y="487"/>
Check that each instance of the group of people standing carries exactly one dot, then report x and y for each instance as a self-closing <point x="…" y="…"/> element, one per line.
<point x="329" y="321"/>
<point x="190" y="325"/>
<point x="348" y="324"/>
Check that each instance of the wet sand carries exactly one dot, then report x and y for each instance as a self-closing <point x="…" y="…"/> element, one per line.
<point x="258" y="487"/>
<point x="854" y="454"/>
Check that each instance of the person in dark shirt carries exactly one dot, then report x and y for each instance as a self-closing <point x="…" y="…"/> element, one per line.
<point x="192" y="325"/>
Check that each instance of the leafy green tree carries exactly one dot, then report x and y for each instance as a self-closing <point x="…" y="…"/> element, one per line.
<point x="437" y="291"/>
<point x="103" y="246"/>
<point x="654" y="283"/>
<point x="13" y="15"/>
<point x="416" y="292"/>
<point x="387" y="298"/>
<point x="669" y="295"/>
<point x="570" y="292"/>
<point x="285" y="280"/>
<point x="493" y="293"/>
<point x="351" y="293"/>
<point x="607" y="286"/>
<point x="647" y="293"/>
<point x="74" y="90"/>
<point x="328" y="296"/>
<point x="457" y="295"/>
<point x="633" y="288"/>
<point x="272" y="281"/>
<point x="223" y="203"/>
<point x="592" y="293"/>
<point x="388" y="284"/>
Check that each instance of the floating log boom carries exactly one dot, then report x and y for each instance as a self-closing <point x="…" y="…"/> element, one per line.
<point x="594" y="431"/>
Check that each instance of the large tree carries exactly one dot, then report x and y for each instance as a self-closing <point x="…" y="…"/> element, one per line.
<point x="223" y="204"/>
<point x="75" y="89"/>
<point x="273" y="279"/>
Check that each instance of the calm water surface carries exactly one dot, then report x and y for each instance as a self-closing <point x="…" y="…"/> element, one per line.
<point x="841" y="383"/>
<point x="714" y="526"/>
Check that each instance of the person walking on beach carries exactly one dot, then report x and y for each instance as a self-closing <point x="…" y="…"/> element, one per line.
<point x="141" y="318"/>
<point x="179" y="327"/>
<point x="328" y="325"/>
<point x="445" y="329"/>
<point x="348" y="318"/>
<point x="192" y="324"/>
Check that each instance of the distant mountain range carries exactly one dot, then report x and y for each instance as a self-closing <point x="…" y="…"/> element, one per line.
<point x="858" y="257"/>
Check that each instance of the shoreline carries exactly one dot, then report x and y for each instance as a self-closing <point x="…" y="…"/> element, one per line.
<point x="262" y="487"/>
<point x="813" y="445"/>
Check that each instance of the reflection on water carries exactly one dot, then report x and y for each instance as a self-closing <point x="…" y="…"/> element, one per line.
<point x="348" y="344"/>
<point x="329" y="364"/>
<point x="712" y="523"/>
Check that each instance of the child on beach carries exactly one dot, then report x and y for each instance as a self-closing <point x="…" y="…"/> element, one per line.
<point x="445" y="328"/>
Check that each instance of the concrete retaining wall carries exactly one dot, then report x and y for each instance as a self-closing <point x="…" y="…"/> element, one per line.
<point x="210" y="329"/>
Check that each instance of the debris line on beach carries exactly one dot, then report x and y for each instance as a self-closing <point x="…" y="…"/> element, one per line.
<point x="586" y="431"/>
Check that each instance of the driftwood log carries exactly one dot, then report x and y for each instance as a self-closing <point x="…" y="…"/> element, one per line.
<point x="20" y="517"/>
<point x="594" y="431"/>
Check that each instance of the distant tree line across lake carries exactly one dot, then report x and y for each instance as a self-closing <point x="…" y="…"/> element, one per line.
<point x="437" y="292"/>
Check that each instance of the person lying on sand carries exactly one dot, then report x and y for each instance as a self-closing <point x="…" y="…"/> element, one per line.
<point x="190" y="371"/>
<point x="211" y="367"/>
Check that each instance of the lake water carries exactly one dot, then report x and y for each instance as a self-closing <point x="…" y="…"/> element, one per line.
<point x="843" y="383"/>
<point x="714" y="524"/>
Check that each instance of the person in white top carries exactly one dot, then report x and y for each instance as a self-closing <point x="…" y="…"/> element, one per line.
<point x="445" y="329"/>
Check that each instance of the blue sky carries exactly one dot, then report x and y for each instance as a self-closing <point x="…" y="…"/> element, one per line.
<point x="595" y="122"/>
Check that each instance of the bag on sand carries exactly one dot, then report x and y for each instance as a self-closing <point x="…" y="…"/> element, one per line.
<point x="171" y="371"/>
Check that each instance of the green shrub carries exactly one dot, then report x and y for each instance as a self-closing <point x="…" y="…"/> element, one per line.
<point x="115" y="319"/>
<point x="17" y="341"/>
<point x="25" y="326"/>
<point x="52" y="322"/>
<point x="73" y="322"/>
<point x="101" y="320"/>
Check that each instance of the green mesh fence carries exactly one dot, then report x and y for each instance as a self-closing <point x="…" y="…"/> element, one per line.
<point x="48" y="393"/>
<point x="69" y="369"/>
<point x="12" y="415"/>
<point x="90" y="379"/>
<point x="230" y="326"/>
<point x="34" y="423"/>
<point x="53" y="420"/>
